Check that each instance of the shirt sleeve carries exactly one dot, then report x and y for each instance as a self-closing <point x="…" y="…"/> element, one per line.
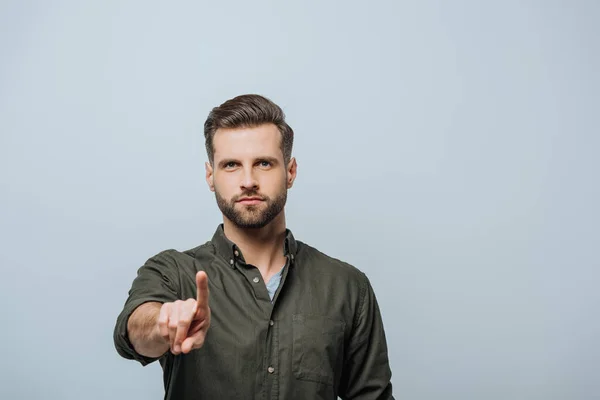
<point x="157" y="280"/>
<point x="367" y="374"/>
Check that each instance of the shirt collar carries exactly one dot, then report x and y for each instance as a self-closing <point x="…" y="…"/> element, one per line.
<point x="230" y="252"/>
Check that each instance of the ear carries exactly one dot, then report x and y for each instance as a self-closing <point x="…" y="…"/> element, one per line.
<point x="209" y="176"/>
<point x="291" y="170"/>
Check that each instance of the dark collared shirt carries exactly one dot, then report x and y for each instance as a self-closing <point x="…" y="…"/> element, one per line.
<point x="321" y="337"/>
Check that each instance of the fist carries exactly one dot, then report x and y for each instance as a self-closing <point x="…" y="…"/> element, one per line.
<point x="184" y="323"/>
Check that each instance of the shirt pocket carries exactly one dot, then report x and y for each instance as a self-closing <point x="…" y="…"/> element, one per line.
<point x="317" y="347"/>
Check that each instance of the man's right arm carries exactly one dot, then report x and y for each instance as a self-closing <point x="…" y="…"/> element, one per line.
<point x="153" y="318"/>
<point x="143" y="331"/>
<point x="153" y="327"/>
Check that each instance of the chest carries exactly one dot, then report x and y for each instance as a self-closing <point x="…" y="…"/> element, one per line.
<point x="301" y="334"/>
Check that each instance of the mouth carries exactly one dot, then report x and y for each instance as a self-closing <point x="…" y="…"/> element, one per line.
<point x="250" y="200"/>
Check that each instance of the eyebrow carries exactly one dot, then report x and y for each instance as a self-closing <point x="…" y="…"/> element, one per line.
<point x="272" y="160"/>
<point x="225" y="161"/>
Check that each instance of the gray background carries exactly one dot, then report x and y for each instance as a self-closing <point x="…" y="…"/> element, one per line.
<point x="446" y="148"/>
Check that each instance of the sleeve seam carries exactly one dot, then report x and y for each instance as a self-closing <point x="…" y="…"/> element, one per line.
<point x="363" y="295"/>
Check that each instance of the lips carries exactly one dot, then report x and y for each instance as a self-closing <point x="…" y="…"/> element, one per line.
<point x="250" y="200"/>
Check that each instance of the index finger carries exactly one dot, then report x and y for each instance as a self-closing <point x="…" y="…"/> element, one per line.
<point x="202" y="287"/>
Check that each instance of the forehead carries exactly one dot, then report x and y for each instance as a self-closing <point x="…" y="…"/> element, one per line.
<point x="263" y="140"/>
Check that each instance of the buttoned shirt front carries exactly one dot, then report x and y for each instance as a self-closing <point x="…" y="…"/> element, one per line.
<point x="320" y="337"/>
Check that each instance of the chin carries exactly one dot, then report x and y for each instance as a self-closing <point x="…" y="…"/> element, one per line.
<point x="252" y="225"/>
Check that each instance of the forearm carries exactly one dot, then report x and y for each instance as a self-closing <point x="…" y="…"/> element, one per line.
<point x="143" y="332"/>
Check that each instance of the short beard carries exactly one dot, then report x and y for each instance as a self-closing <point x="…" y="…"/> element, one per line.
<point x="251" y="217"/>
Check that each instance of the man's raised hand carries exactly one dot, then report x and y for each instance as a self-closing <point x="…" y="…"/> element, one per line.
<point x="184" y="323"/>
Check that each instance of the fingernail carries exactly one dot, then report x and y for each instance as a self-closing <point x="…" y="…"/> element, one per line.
<point x="177" y="348"/>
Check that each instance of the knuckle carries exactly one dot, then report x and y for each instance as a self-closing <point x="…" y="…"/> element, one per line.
<point x="183" y="322"/>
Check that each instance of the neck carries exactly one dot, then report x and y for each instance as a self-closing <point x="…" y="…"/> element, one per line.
<point x="262" y="247"/>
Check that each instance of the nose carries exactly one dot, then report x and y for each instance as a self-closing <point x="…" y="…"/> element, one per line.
<point x="249" y="181"/>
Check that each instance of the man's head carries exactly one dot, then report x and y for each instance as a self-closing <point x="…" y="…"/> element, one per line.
<point x="250" y="168"/>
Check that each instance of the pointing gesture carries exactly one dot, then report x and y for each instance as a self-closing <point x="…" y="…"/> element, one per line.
<point x="183" y="324"/>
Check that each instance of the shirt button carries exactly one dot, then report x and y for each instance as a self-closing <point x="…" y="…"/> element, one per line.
<point x="231" y="261"/>
<point x="271" y="370"/>
<point x="271" y="323"/>
<point x="256" y="279"/>
<point x="237" y="253"/>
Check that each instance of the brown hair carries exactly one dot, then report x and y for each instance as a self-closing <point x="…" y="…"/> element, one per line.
<point x="248" y="111"/>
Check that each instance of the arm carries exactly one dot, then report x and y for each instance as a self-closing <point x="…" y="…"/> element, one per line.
<point x="154" y="319"/>
<point x="367" y="374"/>
<point x="143" y="332"/>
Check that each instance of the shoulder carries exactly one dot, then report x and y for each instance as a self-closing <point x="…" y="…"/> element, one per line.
<point x="335" y="277"/>
<point x="317" y="262"/>
<point x="173" y="259"/>
<point x="174" y="255"/>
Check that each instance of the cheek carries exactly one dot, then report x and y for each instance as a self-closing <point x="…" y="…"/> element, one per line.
<point x="275" y="183"/>
<point x="224" y="183"/>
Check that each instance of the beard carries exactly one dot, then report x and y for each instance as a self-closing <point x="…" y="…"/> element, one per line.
<point x="251" y="216"/>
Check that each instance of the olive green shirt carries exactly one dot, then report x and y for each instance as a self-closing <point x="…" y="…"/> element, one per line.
<point x="320" y="337"/>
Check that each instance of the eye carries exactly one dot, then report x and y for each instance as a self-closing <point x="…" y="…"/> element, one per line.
<point x="230" y="164"/>
<point x="265" y="164"/>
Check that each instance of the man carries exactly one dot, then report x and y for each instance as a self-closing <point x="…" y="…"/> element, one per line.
<point x="254" y="313"/>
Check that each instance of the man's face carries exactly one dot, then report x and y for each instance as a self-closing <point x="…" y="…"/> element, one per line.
<point x="248" y="175"/>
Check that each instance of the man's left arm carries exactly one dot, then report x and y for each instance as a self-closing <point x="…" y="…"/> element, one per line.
<point x="367" y="374"/>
